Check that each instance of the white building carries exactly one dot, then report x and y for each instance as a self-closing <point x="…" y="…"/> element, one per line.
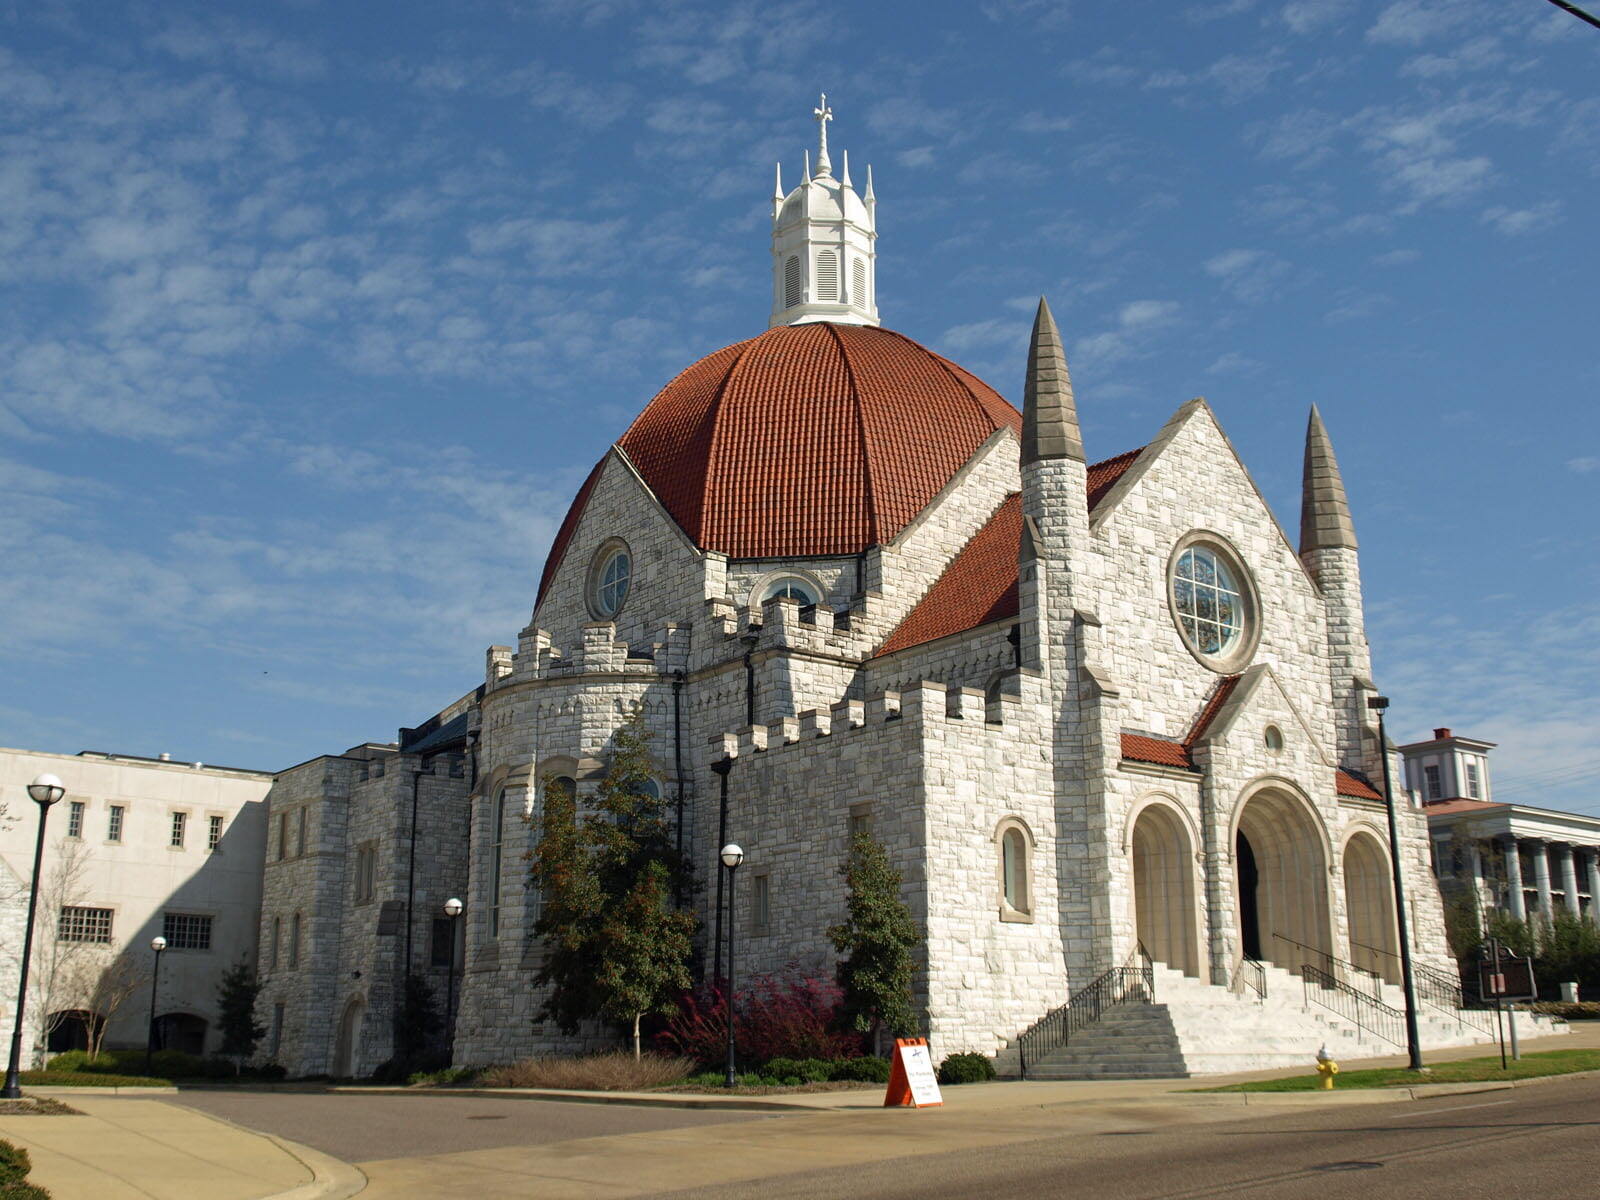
<point x="136" y="848"/>
<point x="1088" y="707"/>
<point x="1528" y="862"/>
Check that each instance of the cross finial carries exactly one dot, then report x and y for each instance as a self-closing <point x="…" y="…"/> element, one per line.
<point x="823" y="114"/>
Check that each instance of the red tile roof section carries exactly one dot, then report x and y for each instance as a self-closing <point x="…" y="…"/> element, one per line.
<point x="953" y="605"/>
<point x="1136" y="747"/>
<point x="1443" y="808"/>
<point x="979" y="585"/>
<point x="1346" y="784"/>
<point x="568" y="525"/>
<point x="1104" y="474"/>
<point x="810" y="439"/>
<point x="1208" y="714"/>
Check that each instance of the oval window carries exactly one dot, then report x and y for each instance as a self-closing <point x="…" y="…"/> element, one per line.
<point x="1213" y="604"/>
<point x="609" y="580"/>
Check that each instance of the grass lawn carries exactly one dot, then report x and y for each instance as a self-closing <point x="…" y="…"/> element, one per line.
<point x="88" y="1079"/>
<point x="1466" y="1070"/>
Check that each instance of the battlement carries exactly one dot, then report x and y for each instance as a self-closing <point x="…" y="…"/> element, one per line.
<point x="598" y="652"/>
<point x="922" y="706"/>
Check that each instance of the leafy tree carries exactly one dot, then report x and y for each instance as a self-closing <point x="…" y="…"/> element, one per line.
<point x="236" y="1012"/>
<point x="614" y="943"/>
<point x="644" y="951"/>
<point x="876" y="938"/>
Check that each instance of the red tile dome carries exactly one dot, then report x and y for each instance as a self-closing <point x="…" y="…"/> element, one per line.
<point x="808" y="440"/>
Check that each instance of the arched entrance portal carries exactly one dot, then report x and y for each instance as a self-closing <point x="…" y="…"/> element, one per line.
<point x="1164" y="889"/>
<point x="1369" y="905"/>
<point x="1281" y="872"/>
<point x="347" y="1042"/>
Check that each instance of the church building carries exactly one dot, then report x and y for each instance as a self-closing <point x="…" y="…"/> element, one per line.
<point x="1095" y="707"/>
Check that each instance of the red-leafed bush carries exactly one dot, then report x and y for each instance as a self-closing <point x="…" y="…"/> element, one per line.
<point x="785" y="1015"/>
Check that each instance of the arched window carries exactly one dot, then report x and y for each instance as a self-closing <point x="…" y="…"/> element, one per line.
<point x="790" y="587"/>
<point x="497" y="843"/>
<point x="858" y="283"/>
<point x="1015" y="870"/>
<point x="294" y="942"/>
<point x="791" y="281"/>
<point x="827" y="275"/>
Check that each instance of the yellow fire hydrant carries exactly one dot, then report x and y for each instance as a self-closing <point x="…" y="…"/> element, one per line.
<point x="1327" y="1068"/>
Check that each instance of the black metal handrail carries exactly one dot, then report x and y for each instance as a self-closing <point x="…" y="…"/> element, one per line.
<point x="1051" y="1032"/>
<point x="1252" y="974"/>
<point x="1439" y="989"/>
<point x="1334" y="965"/>
<point x="1369" y="1015"/>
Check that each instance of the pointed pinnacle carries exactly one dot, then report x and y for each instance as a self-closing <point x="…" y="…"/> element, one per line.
<point x="871" y="197"/>
<point x="845" y="178"/>
<point x="1324" y="508"/>
<point x="777" y="181"/>
<point x="1049" y="414"/>
<point x="805" y="170"/>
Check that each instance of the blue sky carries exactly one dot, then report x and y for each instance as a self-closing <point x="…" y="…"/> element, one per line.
<point x="313" y="315"/>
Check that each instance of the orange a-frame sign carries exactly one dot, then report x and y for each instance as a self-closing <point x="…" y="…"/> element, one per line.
<point x="912" y="1082"/>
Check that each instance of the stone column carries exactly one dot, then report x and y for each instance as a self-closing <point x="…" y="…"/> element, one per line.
<point x="1514" y="900"/>
<point x="1569" y="876"/>
<point x="1541" y="876"/>
<point x="1475" y="863"/>
<point x="1594" y="879"/>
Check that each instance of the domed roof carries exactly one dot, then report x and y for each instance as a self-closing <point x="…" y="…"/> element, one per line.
<point x="824" y="198"/>
<point x="808" y="440"/>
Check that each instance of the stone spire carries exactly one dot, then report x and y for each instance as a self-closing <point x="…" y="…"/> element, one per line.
<point x="1324" y="509"/>
<point x="1049" y="415"/>
<point x="824" y="243"/>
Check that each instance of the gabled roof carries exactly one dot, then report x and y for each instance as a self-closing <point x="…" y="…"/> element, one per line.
<point x="1167" y="752"/>
<point x="980" y="584"/>
<point x="1458" y="804"/>
<point x="1347" y="783"/>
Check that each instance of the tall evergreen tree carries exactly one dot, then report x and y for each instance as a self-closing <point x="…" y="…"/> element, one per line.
<point x="877" y="938"/>
<point x="614" y="943"/>
<point x="237" y="993"/>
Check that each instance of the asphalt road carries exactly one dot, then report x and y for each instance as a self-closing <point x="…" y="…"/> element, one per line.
<point x="356" y="1127"/>
<point x="1538" y="1143"/>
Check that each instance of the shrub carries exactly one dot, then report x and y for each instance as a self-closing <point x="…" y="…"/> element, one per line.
<point x="785" y="1015"/>
<point x="169" y="1064"/>
<point x="71" y="1060"/>
<point x="400" y="1070"/>
<point x="449" y="1077"/>
<point x="90" y="1079"/>
<point x="14" y="1163"/>
<point x="1583" y="1010"/>
<point x="965" y="1068"/>
<point x="860" y="1070"/>
<point x="23" y="1190"/>
<point x="616" y="1071"/>
<point x="801" y="1070"/>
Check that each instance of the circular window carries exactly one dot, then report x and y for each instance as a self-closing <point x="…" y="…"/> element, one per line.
<point x="1274" y="738"/>
<point x="609" y="578"/>
<point x="790" y="587"/>
<point x="1213" y="603"/>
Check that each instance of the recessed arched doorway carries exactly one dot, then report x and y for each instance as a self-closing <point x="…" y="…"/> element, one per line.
<point x="347" y="1042"/>
<point x="1369" y="908"/>
<point x="1281" y="873"/>
<point x="181" y="1031"/>
<point x="1165" y="913"/>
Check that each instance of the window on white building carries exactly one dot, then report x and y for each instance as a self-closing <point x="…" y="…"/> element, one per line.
<point x="79" y="924"/>
<point x="790" y="587"/>
<point x="75" y="819"/>
<point x="610" y="577"/>
<point x="791" y="281"/>
<point x="114" y="823"/>
<point x="858" y="283"/>
<point x="827" y="275"/>
<point x="1472" y="780"/>
<point x="1016" y="884"/>
<point x="1430" y="776"/>
<point x="186" y="931"/>
<point x="180" y="822"/>
<point x="1209" y="599"/>
<point x="214" y="833"/>
<point x="860" y="820"/>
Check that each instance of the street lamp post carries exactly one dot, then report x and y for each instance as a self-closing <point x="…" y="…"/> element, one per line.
<point x="158" y="944"/>
<point x="732" y="856"/>
<point x="44" y="791"/>
<point x="1408" y="975"/>
<point x="452" y="909"/>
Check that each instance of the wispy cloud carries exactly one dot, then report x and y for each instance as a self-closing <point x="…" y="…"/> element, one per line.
<point x="1250" y="275"/>
<point x="1517" y="221"/>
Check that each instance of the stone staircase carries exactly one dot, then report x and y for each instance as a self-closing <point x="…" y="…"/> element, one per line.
<point x="1195" y="1028"/>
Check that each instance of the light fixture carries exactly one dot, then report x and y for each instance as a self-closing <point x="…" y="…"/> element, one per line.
<point x="453" y="907"/>
<point x="46" y="790"/>
<point x="732" y="855"/>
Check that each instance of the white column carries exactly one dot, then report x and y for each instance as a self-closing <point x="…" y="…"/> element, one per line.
<point x="1541" y="876"/>
<point x="1594" y="879"/>
<point x="1514" y="901"/>
<point x="1569" y="876"/>
<point x="1475" y="862"/>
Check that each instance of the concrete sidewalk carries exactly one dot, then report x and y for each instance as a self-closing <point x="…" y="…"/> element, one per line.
<point x="139" y="1148"/>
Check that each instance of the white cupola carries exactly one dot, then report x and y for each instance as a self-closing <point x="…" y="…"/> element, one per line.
<point x="823" y="244"/>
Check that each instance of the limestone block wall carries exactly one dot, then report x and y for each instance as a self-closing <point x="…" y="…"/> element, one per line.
<point x="1190" y="480"/>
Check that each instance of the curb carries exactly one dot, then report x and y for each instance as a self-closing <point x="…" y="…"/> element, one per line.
<point x="58" y="1090"/>
<point x="331" y="1178"/>
<point x="674" y="1100"/>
